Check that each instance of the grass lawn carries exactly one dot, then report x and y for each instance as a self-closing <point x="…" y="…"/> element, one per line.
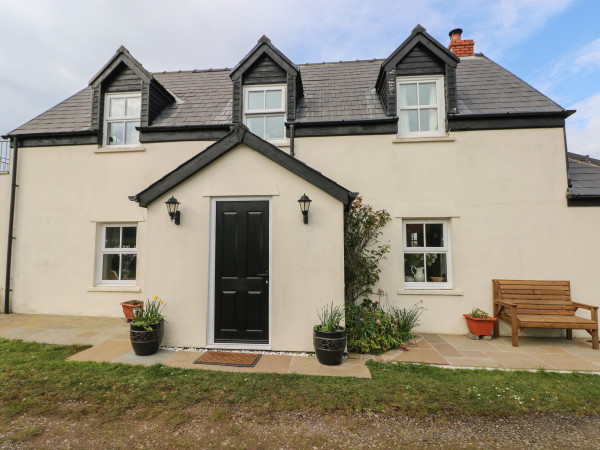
<point x="37" y="382"/>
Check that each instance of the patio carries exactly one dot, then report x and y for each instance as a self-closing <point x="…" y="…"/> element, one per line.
<point x="110" y="343"/>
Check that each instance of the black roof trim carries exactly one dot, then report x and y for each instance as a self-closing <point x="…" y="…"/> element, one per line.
<point x="241" y="135"/>
<point x="151" y="129"/>
<point x="583" y="201"/>
<point x="121" y="56"/>
<point x="504" y="121"/>
<point x="55" y="139"/>
<point x="326" y="123"/>
<point x="419" y="35"/>
<point x="346" y="127"/>
<point x="263" y="46"/>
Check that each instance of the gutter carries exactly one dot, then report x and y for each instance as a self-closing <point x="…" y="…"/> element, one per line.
<point x="564" y="114"/>
<point x="342" y="122"/>
<point x="11" y="221"/>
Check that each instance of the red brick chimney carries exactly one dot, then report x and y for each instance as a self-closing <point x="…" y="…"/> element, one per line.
<point x="458" y="46"/>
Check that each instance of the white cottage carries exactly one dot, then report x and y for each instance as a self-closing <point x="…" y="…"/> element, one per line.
<point x="469" y="160"/>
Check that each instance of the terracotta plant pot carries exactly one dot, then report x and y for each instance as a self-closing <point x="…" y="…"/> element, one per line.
<point x="329" y="346"/>
<point x="480" y="327"/>
<point x="129" y="306"/>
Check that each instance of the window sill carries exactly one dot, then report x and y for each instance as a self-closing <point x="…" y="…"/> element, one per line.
<point x="114" y="289"/>
<point x="423" y="139"/>
<point x="281" y="144"/>
<point x="449" y="292"/>
<point x="119" y="149"/>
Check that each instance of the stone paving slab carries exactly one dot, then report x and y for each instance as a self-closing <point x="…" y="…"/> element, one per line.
<point x="110" y="340"/>
<point x="131" y="358"/>
<point x="310" y="366"/>
<point x="106" y="351"/>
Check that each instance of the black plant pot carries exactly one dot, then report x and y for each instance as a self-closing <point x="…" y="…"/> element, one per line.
<point x="144" y="342"/>
<point x="329" y="346"/>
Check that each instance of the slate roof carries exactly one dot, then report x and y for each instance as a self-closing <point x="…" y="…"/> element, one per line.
<point x="584" y="173"/>
<point x="332" y="92"/>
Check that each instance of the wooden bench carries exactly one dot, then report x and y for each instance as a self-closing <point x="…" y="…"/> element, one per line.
<point x="540" y="304"/>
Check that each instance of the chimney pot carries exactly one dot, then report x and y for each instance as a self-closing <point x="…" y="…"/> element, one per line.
<point x="460" y="47"/>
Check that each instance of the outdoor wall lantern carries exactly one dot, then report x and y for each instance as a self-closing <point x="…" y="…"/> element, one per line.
<point x="172" y="205"/>
<point x="304" y="206"/>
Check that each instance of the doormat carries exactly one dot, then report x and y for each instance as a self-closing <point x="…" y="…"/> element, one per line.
<point x="229" y="359"/>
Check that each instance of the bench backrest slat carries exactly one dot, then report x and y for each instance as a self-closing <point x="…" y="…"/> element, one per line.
<point x="536" y="297"/>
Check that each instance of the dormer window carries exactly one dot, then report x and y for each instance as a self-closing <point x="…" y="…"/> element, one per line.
<point x="121" y="116"/>
<point x="421" y="106"/>
<point x="264" y="111"/>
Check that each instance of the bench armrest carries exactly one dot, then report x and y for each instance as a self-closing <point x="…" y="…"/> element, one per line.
<point x="505" y="303"/>
<point x="584" y="306"/>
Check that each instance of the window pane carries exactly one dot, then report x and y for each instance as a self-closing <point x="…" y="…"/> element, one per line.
<point x="427" y="94"/>
<point x="110" y="267"/>
<point x="275" y="127"/>
<point x="428" y="119"/>
<point x="256" y="100"/>
<point x="129" y="237"/>
<point x="437" y="271"/>
<point x="256" y="125"/>
<point x="434" y="235"/>
<point x="409" y="121"/>
<point x="133" y="106"/>
<point x="128" y="268"/>
<point x="115" y="133"/>
<point x="117" y="107"/>
<point x="132" y="136"/>
<point x="273" y="100"/>
<point x="414" y="235"/>
<point x="112" y="237"/>
<point x="408" y="94"/>
<point x="414" y="269"/>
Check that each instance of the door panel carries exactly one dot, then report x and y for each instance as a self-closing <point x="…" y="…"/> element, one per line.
<point x="241" y="260"/>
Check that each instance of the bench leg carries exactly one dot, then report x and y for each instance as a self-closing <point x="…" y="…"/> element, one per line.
<point x="570" y="334"/>
<point x="515" y="328"/>
<point x="497" y="328"/>
<point x="595" y="339"/>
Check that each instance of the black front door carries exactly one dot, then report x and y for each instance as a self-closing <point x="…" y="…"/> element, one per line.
<point x="241" y="272"/>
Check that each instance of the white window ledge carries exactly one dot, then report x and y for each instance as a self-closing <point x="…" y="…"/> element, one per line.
<point x="423" y="139"/>
<point x="281" y="144"/>
<point x="119" y="149"/>
<point x="456" y="292"/>
<point x="114" y="289"/>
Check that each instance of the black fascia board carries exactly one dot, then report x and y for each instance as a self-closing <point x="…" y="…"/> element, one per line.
<point x="583" y="200"/>
<point x="86" y="137"/>
<point x="418" y="35"/>
<point x="121" y="56"/>
<point x="240" y="135"/>
<point x="508" y="120"/>
<point x="264" y="45"/>
<point x="183" y="133"/>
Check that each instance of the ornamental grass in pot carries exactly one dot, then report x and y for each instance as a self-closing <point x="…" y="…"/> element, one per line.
<point x="329" y="336"/>
<point x="147" y="329"/>
<point x="479" y="322"/>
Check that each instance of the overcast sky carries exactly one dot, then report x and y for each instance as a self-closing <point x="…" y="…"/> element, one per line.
<point x="50" y="49"/>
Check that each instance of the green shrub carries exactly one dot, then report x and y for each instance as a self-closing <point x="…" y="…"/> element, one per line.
<point x="373" y="329"/>
<point x="362" y="254"/>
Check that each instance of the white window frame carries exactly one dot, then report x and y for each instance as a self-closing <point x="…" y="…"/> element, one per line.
<point x="124" y="119"/>
<point x="102" y="250"/>
<point x="441" y="105"/>
<point x="266" y="112"/>
<point x="446" y="249"/>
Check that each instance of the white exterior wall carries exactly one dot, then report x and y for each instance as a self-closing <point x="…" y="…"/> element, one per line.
<point x="64" y="194"/>
<point x="506" y="191"/>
